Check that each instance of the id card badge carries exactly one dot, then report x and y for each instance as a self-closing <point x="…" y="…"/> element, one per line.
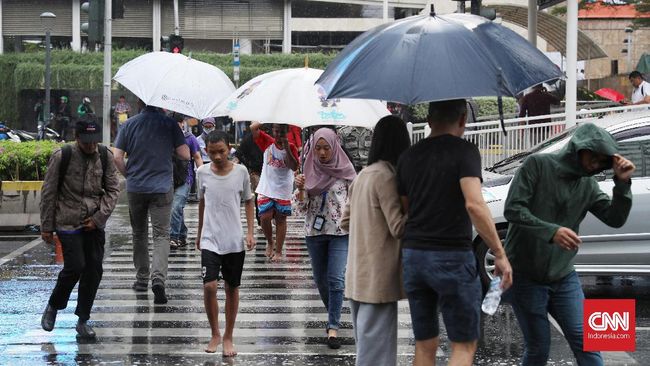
<point x="319" y="222"/>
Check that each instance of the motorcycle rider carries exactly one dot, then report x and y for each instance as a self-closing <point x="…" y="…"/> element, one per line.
<point x="85" y="108"/>
<point x="63" y="115"/>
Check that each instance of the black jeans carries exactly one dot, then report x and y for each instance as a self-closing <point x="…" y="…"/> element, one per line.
<point x="82" y="262"/>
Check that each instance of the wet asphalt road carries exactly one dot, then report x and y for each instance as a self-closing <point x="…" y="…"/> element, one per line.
<point x="281" y="319"/>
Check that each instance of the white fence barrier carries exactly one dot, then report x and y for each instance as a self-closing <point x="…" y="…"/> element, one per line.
<point x="523" y="133"/>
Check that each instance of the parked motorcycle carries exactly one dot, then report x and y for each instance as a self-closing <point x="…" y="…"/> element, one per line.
<point x="24" y="136"/>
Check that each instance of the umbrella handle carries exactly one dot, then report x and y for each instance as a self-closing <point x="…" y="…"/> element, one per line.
<point x="503" y="124"/>
<point x="500" y="100"/>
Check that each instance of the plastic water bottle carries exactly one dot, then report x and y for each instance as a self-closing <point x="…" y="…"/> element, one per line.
<point x="493" y="297"/>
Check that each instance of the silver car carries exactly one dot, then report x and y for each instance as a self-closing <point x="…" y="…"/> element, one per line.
<point x="604" y="250"/>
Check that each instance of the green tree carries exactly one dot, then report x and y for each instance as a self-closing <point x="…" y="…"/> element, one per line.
<point x="642" y="6"/>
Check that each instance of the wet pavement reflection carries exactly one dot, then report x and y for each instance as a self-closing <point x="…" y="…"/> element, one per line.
<point x="281" y="319"/>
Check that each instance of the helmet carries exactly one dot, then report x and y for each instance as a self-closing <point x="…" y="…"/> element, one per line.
<point x="86" y="100"/>
<point x="64" y="99"/>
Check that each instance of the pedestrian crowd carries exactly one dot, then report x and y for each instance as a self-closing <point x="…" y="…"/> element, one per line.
<point x="383" y="221"/>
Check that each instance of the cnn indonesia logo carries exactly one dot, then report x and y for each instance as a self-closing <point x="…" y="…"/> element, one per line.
<point x="610" y="325"/>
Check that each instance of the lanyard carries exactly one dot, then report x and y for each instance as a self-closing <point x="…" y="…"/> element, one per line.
<point x="322" y="204"/>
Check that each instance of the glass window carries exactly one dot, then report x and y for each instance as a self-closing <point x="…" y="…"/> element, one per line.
<point x="634" y="134"/>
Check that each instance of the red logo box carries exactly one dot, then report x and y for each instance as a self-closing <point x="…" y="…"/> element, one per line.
<point x="609" y="325"/>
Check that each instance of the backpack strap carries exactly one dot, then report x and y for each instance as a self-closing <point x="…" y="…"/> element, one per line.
<point x="66" y="153"/>
<point x="103" y="157"/>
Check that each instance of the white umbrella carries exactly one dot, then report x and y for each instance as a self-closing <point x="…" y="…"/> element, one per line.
<point x="176" y="82"/>
<point x="290" y="96"/>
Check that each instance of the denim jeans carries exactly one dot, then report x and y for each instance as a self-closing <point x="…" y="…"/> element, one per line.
<point x="158" y="206"/>
<point x="563" y="299"/>
<point x="178" y="230"/>
<point x="329" y="255"/>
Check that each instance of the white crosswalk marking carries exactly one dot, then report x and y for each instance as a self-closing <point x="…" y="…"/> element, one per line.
<point x="280" y="311"/>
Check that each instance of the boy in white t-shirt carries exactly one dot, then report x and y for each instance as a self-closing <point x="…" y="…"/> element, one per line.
<point x="222" y="186"/>
<point x="276" y="184"/>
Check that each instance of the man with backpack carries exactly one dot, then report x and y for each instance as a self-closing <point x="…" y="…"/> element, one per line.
<point x="79" y="193"/>
<point x="641" y="91"/>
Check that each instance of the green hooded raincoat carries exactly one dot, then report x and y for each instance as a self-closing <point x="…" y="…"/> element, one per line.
<point x="551" y="191"/>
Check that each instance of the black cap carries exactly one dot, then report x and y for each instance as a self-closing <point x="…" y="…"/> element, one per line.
<point x="89" y="131"/>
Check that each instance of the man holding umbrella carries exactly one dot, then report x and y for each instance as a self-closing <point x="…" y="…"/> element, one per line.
<point x="150" y="138"/>
<point x="439" y="179"/>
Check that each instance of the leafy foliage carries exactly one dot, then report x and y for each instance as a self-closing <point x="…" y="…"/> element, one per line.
<point x="25" y="160"/>
<point x="487" y="106"/>
<point x="84" y="71"/>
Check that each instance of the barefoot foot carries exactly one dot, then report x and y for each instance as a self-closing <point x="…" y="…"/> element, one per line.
<point x="215" y="341"/>
<point x="228" y="348"/>
<point x="269" y="251"/>
<point x="277" y="257"/>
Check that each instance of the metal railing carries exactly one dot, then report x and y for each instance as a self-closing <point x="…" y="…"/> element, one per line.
<point x="523" y="133"/>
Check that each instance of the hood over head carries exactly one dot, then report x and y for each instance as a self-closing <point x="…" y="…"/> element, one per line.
<point x="587" y="137"/>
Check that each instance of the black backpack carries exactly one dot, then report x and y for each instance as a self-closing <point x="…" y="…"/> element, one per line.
<point x="180" y="171"/>
<point x="66" y="153"/>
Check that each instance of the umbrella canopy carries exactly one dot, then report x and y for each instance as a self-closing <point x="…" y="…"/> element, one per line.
<point x="176" y="82"/>
<point x="290" y="96"/>
<point x="610" y="94"/>
<point x="436" y="57"/>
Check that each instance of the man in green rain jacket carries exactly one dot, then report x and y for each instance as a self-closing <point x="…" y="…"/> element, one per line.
<point x="549" y="197"/>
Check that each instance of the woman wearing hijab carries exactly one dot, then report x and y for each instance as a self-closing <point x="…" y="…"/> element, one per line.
<point x="321" y="197"/>
<point x="375" y="221"/>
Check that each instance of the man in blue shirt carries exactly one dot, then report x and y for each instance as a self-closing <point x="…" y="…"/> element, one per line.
<point x="150" y="138"/>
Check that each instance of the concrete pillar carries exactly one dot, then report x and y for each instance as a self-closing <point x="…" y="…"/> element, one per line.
<point x="385" y="11"/>
<point x="571" y="61"/>
<point x="532" y="22"/>
<point x="286" y="37"/>
<point x="157" y="32"/>
<point x="2" y="42"/>
<point x="177" y="28"/>
<point x="76" y="26"/>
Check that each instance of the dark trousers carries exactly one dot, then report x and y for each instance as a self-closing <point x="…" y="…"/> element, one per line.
<point x="82" y="262"/>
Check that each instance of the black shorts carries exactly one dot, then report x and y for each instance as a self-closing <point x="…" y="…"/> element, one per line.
<point x="230" y="265"/>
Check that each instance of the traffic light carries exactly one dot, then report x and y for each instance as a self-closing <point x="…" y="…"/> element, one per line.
<point x="164" y="43"/>
<point x="176" y="43"/>
<point x="94" y="28"/>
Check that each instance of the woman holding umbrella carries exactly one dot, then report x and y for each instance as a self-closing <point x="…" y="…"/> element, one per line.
<point x="321" y="196"/>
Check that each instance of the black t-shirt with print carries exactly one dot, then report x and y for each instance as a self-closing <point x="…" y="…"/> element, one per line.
<point x="429" y="175"/>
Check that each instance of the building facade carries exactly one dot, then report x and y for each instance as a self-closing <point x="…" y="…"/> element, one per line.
<point x="261" y="25"/>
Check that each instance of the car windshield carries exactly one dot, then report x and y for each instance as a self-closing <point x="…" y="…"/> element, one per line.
<point x="509" y="165"/>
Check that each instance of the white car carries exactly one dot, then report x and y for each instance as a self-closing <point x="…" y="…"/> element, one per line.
<point x="604" y="250"/>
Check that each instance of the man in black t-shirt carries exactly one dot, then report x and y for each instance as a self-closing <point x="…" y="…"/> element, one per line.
<point x="439" y="180"/>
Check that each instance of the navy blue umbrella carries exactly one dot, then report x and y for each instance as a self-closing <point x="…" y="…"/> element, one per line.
<point x="436" y="57"/>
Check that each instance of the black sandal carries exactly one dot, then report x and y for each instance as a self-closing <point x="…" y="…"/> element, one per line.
<point x="333" y="342"/>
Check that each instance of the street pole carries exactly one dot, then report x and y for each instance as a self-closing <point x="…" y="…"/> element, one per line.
<point x="571" y="63"/>
<point x="628" y="33"/>
<point x="177" y="27"/>
<point x="46" y="107"/>
<point x="108" y="44"/>
<point x="385" y="12"/>
<point x="47" y="21"/>
<point x="532" y="22"/>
